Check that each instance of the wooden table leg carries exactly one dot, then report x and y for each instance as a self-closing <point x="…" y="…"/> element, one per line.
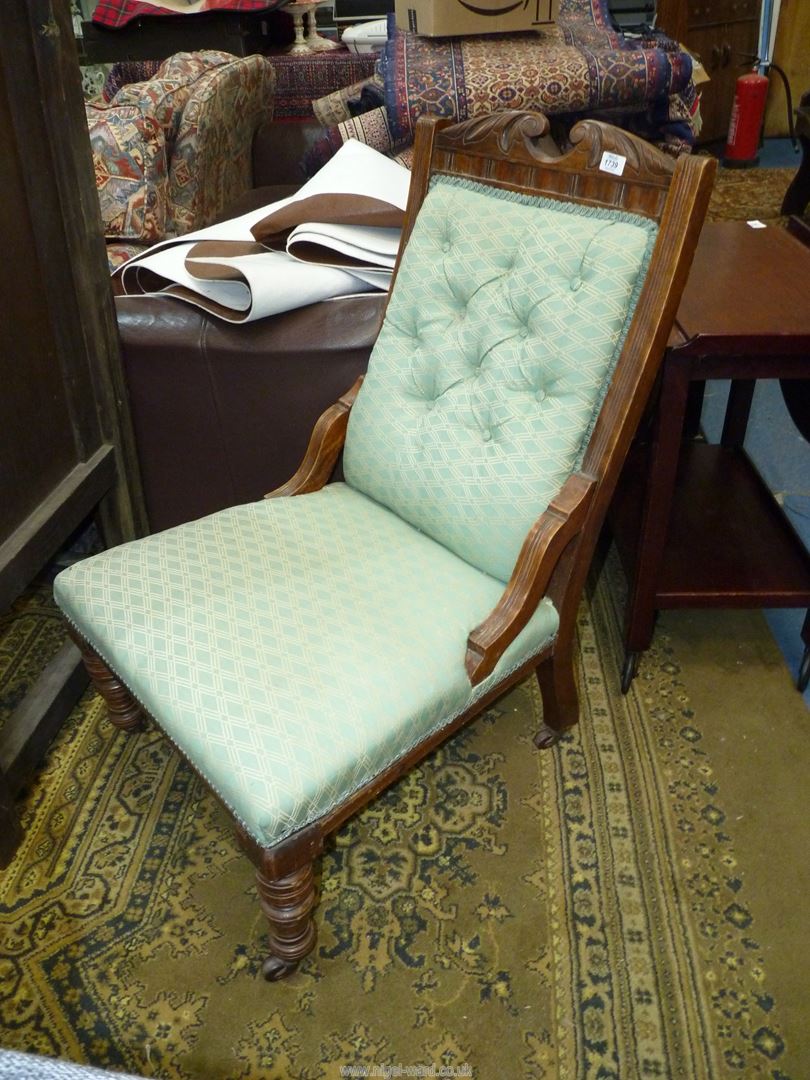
<point x="738" y="409"/>
<point x="797" y="195"/>
<point x="694" y="408"/>
<point x="804" y="668"/>
<point x="659" y="488"/>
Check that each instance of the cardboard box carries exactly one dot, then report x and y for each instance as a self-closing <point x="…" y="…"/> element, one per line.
<point x="445" y="18"/>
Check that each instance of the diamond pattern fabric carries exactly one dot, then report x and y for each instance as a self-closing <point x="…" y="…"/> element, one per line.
<point x="292" y="648"/>
<point x="506" y="320"/>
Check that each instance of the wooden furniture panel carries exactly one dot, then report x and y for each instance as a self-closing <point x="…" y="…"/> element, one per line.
<point x="65" y="440"/>
<point x="34" y="455"/>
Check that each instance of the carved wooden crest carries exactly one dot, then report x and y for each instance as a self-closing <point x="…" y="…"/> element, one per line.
<point x="526" y="135"/>
<point x="596" y="163"/>
<point x="595" y="139"/>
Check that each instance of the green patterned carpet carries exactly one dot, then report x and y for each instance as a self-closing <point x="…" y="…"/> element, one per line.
<point x="579" y="913"/>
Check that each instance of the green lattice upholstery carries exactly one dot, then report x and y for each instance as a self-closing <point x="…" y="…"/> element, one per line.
<point x="292" y="648"/>
<point x="295" y="648"/>
<point x="507" y="316"/>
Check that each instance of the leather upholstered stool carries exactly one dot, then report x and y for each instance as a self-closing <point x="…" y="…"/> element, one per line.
<point x="223" y="413"/>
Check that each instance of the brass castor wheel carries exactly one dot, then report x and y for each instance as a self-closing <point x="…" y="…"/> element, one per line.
<point x="629" y="670"/>
<point x="547" y="737"/>
<point x="274" y="968"/>
<point x="804" y="672"/>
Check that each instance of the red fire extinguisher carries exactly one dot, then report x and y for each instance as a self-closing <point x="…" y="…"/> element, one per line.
<point x="746" y="120"/>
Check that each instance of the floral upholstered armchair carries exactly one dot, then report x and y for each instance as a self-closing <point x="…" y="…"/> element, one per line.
<point x="170" y="153"/>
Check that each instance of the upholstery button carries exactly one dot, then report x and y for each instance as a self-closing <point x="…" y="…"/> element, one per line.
<point x="524" y="333"/>
<point x="445" y="246"/>
<point x="486" y="435"/>
<point x="540" y="395"/>
<point x="576" y="283"/>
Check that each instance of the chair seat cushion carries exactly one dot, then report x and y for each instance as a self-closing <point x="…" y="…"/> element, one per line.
<point x="292" y="648"/>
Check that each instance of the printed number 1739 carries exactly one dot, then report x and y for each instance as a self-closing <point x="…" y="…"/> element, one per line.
<point x="612" y="163"/>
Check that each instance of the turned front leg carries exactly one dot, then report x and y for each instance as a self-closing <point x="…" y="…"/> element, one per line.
<point x="287" y="903"/>
<point x="122" y="708"/>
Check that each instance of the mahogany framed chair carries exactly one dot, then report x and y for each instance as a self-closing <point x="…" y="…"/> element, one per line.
<point x="304" y="651"/>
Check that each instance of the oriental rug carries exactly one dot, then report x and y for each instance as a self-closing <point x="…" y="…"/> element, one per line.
<point x="750" y="194"/>
<point x="579" y="66"/>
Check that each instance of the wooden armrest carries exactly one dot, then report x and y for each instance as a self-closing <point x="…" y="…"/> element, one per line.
<point x="325" y="443"/>
<point x="548" y="538"/>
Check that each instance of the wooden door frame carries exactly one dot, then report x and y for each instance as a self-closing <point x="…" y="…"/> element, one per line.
<point x="40" y="68"/>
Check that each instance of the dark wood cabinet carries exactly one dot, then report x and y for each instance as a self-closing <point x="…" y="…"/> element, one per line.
<point x="724" y="34"/>
<point x="150" y="38"/>
<point x="65" y="444"/>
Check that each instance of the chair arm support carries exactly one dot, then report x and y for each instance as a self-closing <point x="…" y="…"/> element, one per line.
<point x="325" y="443"/>
<point x="549" y="536"/>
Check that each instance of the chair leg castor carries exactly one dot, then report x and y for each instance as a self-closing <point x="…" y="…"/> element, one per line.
<point x="274" y="968"/>
<point x="547" y="737"/>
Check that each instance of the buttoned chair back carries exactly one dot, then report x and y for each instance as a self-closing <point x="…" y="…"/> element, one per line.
<point x="508" y="317"/>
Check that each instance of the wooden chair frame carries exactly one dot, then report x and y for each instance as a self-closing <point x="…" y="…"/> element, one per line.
<point x="513" y="151"/>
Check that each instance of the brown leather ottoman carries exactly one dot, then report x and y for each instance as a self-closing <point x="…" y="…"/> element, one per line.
<point x="222" y="413"/>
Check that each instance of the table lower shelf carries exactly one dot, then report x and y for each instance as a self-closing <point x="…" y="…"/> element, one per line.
<point x="728" y="543"/>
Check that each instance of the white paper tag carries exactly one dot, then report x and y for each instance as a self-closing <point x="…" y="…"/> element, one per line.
<point x="756" y="224"/>
<point x="612" y="163"/>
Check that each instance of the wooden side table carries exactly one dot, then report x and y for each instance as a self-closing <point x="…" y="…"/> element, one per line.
<point x="695" y="524"/>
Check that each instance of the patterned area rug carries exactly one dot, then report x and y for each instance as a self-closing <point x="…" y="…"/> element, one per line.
<point x="501" y="912"/>
<point x="748" y="194"/>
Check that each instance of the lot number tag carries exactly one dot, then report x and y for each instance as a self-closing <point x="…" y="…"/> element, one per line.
<point x="612" y="163"/>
